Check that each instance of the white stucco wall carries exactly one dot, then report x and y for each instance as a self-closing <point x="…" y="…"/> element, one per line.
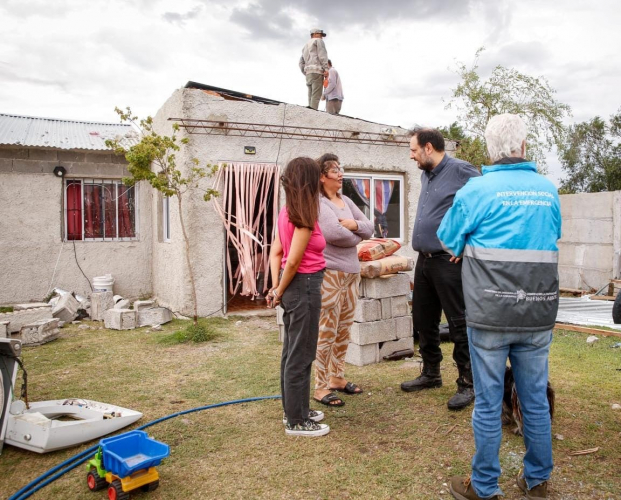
<point x="31" y="241"/>
<point x="590" y="248"/>
<point x="170" y="282"/>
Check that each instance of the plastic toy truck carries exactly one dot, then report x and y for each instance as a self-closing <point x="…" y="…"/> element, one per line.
<point x="124" y="463"/>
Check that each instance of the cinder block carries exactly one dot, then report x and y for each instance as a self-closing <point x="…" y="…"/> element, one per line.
<point x="392" y="285"/>
<point x="373" y="332"/>
<point x="279" y="312"/>
<point x="100" y="303"/>
<point x="386" y="307"/>
<point x="31" y="305"/>
<point x="66" y="309"/>
<point x="39" y="332"/>
<point x="143" y="304"/>
<point x="120" y="319"/>
<point x="4" y="329"/>
<point x="361" y="355"/>
<point x="153" y="316"/>
<point x="395" y="345"/>
<point x="403" y="327"/>
<point x="367" y="310"/>
<point x="17" y="319"/>
<point x="400" y="306"/>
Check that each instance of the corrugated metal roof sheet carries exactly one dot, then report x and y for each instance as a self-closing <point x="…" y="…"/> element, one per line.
<point x="584" y="311"/>
<point x="63" y="134"/>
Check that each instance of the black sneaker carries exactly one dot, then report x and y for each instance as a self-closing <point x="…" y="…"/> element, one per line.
<point x="314" y="415"/>
<point x="307" y="428"/>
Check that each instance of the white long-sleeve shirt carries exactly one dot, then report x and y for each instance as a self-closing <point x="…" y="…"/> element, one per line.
<point x="334" y="90"/>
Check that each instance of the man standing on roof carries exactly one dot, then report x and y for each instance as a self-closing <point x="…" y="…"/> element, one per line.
<point x="506" y="225"/>
<point x="437" y="279"/>
<point x="314" y="64"/>
<point x="333" y="92"/>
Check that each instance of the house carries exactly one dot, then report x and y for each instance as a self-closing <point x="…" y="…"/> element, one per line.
<point x="66" y="216"/>
<point x="69" y="218"/>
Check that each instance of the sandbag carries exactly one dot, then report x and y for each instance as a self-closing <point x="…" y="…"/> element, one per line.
<point x="387" y="265"/>
<point x="376" y="248"/>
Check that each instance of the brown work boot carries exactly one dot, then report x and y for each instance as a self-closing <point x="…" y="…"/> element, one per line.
<point x="539" y="492"/>
<point x="465" y="390"/>
<point x="429" y="378"/>
<point x="462" y="489"/>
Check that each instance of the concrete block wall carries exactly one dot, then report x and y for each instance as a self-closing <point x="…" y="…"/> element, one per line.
<point x="382" y="322"/>
<point x="590" y="247"/>
<point x="32" y="227"/>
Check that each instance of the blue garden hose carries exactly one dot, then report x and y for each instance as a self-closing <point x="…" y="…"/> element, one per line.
<point x="71" y="463"/>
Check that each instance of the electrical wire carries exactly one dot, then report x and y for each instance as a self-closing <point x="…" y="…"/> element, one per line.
<point x="71" y="463"/>
<point x="76" y="261"/>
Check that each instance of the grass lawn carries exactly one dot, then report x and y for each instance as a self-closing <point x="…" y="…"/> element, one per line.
<point x="384" y="444"/>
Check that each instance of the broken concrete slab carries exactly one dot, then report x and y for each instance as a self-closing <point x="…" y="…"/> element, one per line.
<point x="153" y="316"/>
<point x="143" y="304"/>
<point x="122" y="304"/>
<point x="39" y="332"/>
<point x="17" y="319"/>
<point x="30" y="305"/>
<point x="66" y="308"/>
<point x="4" y="329"/>
<point x="100" y="303"/>
<point x="120" y="319"/>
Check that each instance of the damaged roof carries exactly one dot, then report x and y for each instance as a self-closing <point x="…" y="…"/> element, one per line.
<point x="29" y="131"/>
<point x="231" y="95"/>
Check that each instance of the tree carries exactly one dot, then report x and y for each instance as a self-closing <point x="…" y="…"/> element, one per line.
<point x="470" y="149"/>
<point x="153" y="159"/>
<point x="591" y="156"/>
<point x="509" y="91"/>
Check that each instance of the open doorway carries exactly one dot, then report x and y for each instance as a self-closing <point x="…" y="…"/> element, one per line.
<point x="248" y="205"/>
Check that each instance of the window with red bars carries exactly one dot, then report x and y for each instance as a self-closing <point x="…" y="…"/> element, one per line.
<point x="100" y="210"/>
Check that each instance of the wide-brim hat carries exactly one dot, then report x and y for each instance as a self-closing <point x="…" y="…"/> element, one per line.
<point x="317" y="31"/>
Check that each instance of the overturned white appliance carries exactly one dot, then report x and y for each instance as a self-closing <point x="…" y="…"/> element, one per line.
<point x="52" y="425"/>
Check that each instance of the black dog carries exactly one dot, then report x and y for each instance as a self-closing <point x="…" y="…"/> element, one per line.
<point x="511" y="410"/>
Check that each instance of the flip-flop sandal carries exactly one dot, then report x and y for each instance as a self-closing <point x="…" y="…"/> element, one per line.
<point x="330" y="400"/>
<point x="350" y="388"/>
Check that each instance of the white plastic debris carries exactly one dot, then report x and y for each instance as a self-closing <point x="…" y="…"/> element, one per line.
<point x="616" y="406"/>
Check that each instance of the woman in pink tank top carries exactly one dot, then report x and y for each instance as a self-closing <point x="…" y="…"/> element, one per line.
<point x="297" y="266"/>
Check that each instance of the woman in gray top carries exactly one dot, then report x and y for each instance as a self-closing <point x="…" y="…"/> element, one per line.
<point x="343" y="226"/>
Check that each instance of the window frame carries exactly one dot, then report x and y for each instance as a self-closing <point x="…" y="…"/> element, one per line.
<point x="100" y="181"/>
<point x="388" y="177"/>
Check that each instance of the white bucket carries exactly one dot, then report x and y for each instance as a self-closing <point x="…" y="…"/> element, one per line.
<point x="103" y="283"/>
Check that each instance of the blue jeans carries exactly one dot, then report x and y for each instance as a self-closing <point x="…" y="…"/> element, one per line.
<point x="528" y="353"/>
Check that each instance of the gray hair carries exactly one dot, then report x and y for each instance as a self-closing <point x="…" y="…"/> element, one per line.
<point x="504" y="135"/>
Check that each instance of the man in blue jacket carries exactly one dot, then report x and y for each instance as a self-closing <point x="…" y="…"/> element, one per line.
<point x="505" y="225"/>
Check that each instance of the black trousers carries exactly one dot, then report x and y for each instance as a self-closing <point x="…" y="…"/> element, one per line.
<point x="301" y="303"/>
<point x="437" y="288"/>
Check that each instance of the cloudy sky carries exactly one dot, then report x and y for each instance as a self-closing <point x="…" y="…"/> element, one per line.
<point x="397" y="58"/>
